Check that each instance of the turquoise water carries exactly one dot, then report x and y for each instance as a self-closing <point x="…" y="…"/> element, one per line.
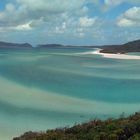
<point x="43" y="89"/>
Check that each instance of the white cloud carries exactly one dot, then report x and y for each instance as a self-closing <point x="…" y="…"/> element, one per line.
<point x="24" y="27"/>
<point x="81" y="34"/>
<point x="60" y="29"/>
<point x="52" y="5"/>
<point x="130" y="18"/>
<point x="133" y="13"/>
<point x="125" y="22"/>
<point x="86" y="21"/>
<point x="19" y="14"/>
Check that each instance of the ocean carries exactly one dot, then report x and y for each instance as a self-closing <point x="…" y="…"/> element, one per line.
<point x="58" y="87"/>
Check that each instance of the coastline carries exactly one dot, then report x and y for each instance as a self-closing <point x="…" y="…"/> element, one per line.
<point x="116" y="56"/>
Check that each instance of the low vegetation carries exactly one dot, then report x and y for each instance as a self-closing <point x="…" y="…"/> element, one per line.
<point x="111" y="129"/>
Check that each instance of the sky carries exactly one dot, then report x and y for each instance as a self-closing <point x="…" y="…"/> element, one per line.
<point x="70" y="22"/>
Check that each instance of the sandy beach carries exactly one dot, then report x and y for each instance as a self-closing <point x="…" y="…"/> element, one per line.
<point x="116" y="56"/>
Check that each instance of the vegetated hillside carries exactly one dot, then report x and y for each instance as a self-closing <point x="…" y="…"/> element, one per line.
<point x="111" y="129"/>
<point x="133" y="46"/>
<point x="14" y="45"/>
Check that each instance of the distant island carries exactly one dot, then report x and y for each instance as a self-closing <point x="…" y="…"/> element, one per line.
<point x="133" y="46"/>
<point x="63" y="46"/>
<point x="7" y="45"/>
<point x="111" y="129"/>
<point x="49" y="45"/>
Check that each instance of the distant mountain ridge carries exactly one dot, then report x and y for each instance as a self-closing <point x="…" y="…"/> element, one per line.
<point x="64" y="46"/>
<point x="133" y="46"/>
<point x="49" y="45"/>
<point x="14" y="45"/>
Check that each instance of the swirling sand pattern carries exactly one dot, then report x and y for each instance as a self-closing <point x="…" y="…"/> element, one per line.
<point x="43" y="90"/>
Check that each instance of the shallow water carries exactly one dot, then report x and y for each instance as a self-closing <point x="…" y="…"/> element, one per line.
<point x="43" y="89"/>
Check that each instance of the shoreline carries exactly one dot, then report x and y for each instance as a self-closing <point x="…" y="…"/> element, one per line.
<point x="116" y="56"/>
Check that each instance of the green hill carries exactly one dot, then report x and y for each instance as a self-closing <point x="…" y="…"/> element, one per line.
<point x="133" y="46"/>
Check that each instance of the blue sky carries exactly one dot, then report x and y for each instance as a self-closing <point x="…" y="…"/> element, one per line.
<point x="75" y="22"/>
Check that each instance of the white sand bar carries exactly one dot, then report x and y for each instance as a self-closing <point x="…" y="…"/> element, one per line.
<point x="115" y="56"/>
